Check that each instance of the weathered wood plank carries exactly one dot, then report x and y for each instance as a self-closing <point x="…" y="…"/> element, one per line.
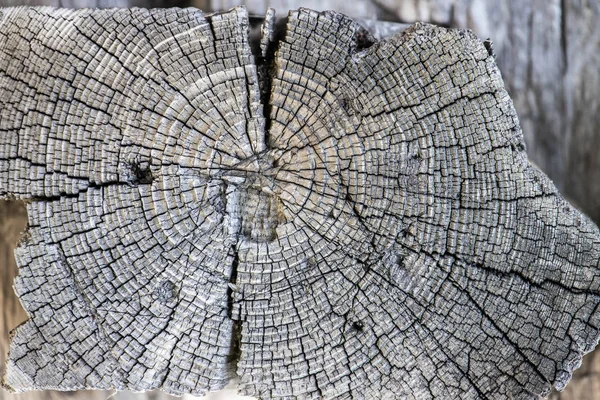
<point x="548" y="52"/>
<point x="13" y="220"/>
<point x="176" y="312"/>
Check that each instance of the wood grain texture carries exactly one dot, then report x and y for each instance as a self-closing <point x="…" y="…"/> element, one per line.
<point x="548" y="52"/>
<point x="371" y="228"/>
<point x="161" y="309"/>
<point x="13" y="220"/>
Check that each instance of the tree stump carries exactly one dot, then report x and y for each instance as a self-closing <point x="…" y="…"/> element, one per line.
<point x="331" y="216"/>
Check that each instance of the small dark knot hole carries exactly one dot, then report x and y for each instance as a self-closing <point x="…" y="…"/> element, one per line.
<point x="358" y="326"/>
<point x="343" y="102"/>
<point x="141" y="172"/>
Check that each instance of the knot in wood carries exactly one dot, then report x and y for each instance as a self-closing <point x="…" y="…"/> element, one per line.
<point x="261" y="212"/>
<point x="255" y="208"/>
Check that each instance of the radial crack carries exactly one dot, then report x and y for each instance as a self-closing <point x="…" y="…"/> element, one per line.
<point x="236" y="332"/>
<point x="272" y="32"/>
<point x="263" y="36"/>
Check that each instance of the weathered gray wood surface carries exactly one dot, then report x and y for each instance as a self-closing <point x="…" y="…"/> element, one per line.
<point x="549" y="55"/>
<point x="548" y="52"/>
<point x="94" y="3"/>
<point x="13" y="220"/>
<point x="585" y="384"/>
<point x="266" y="232"/>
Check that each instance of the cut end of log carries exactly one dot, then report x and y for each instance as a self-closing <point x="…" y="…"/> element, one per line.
<point x="317" y="211"/>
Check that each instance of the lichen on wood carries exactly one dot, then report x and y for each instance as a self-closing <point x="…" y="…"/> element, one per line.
<point x="334" y="216"/>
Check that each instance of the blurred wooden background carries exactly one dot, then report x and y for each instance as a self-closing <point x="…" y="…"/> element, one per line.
<point x="549" y="55"/>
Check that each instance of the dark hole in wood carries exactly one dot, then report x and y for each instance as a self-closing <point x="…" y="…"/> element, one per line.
<point x="517" y="147"/>
<point x="400" y="260"/>
<point x="346" y="104"/>
<point x="141" y="172"/>
<point x="363" y="40"/>
<point x="358" y="326"/>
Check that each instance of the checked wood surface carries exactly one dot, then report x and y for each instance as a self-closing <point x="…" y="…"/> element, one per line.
<point x="334" y="217"/>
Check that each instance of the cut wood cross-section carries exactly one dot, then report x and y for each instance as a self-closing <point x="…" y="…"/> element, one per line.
<point x="322" y="214"/>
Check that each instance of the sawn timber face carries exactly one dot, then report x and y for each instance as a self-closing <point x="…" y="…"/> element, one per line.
<point x="330" y="217"/>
